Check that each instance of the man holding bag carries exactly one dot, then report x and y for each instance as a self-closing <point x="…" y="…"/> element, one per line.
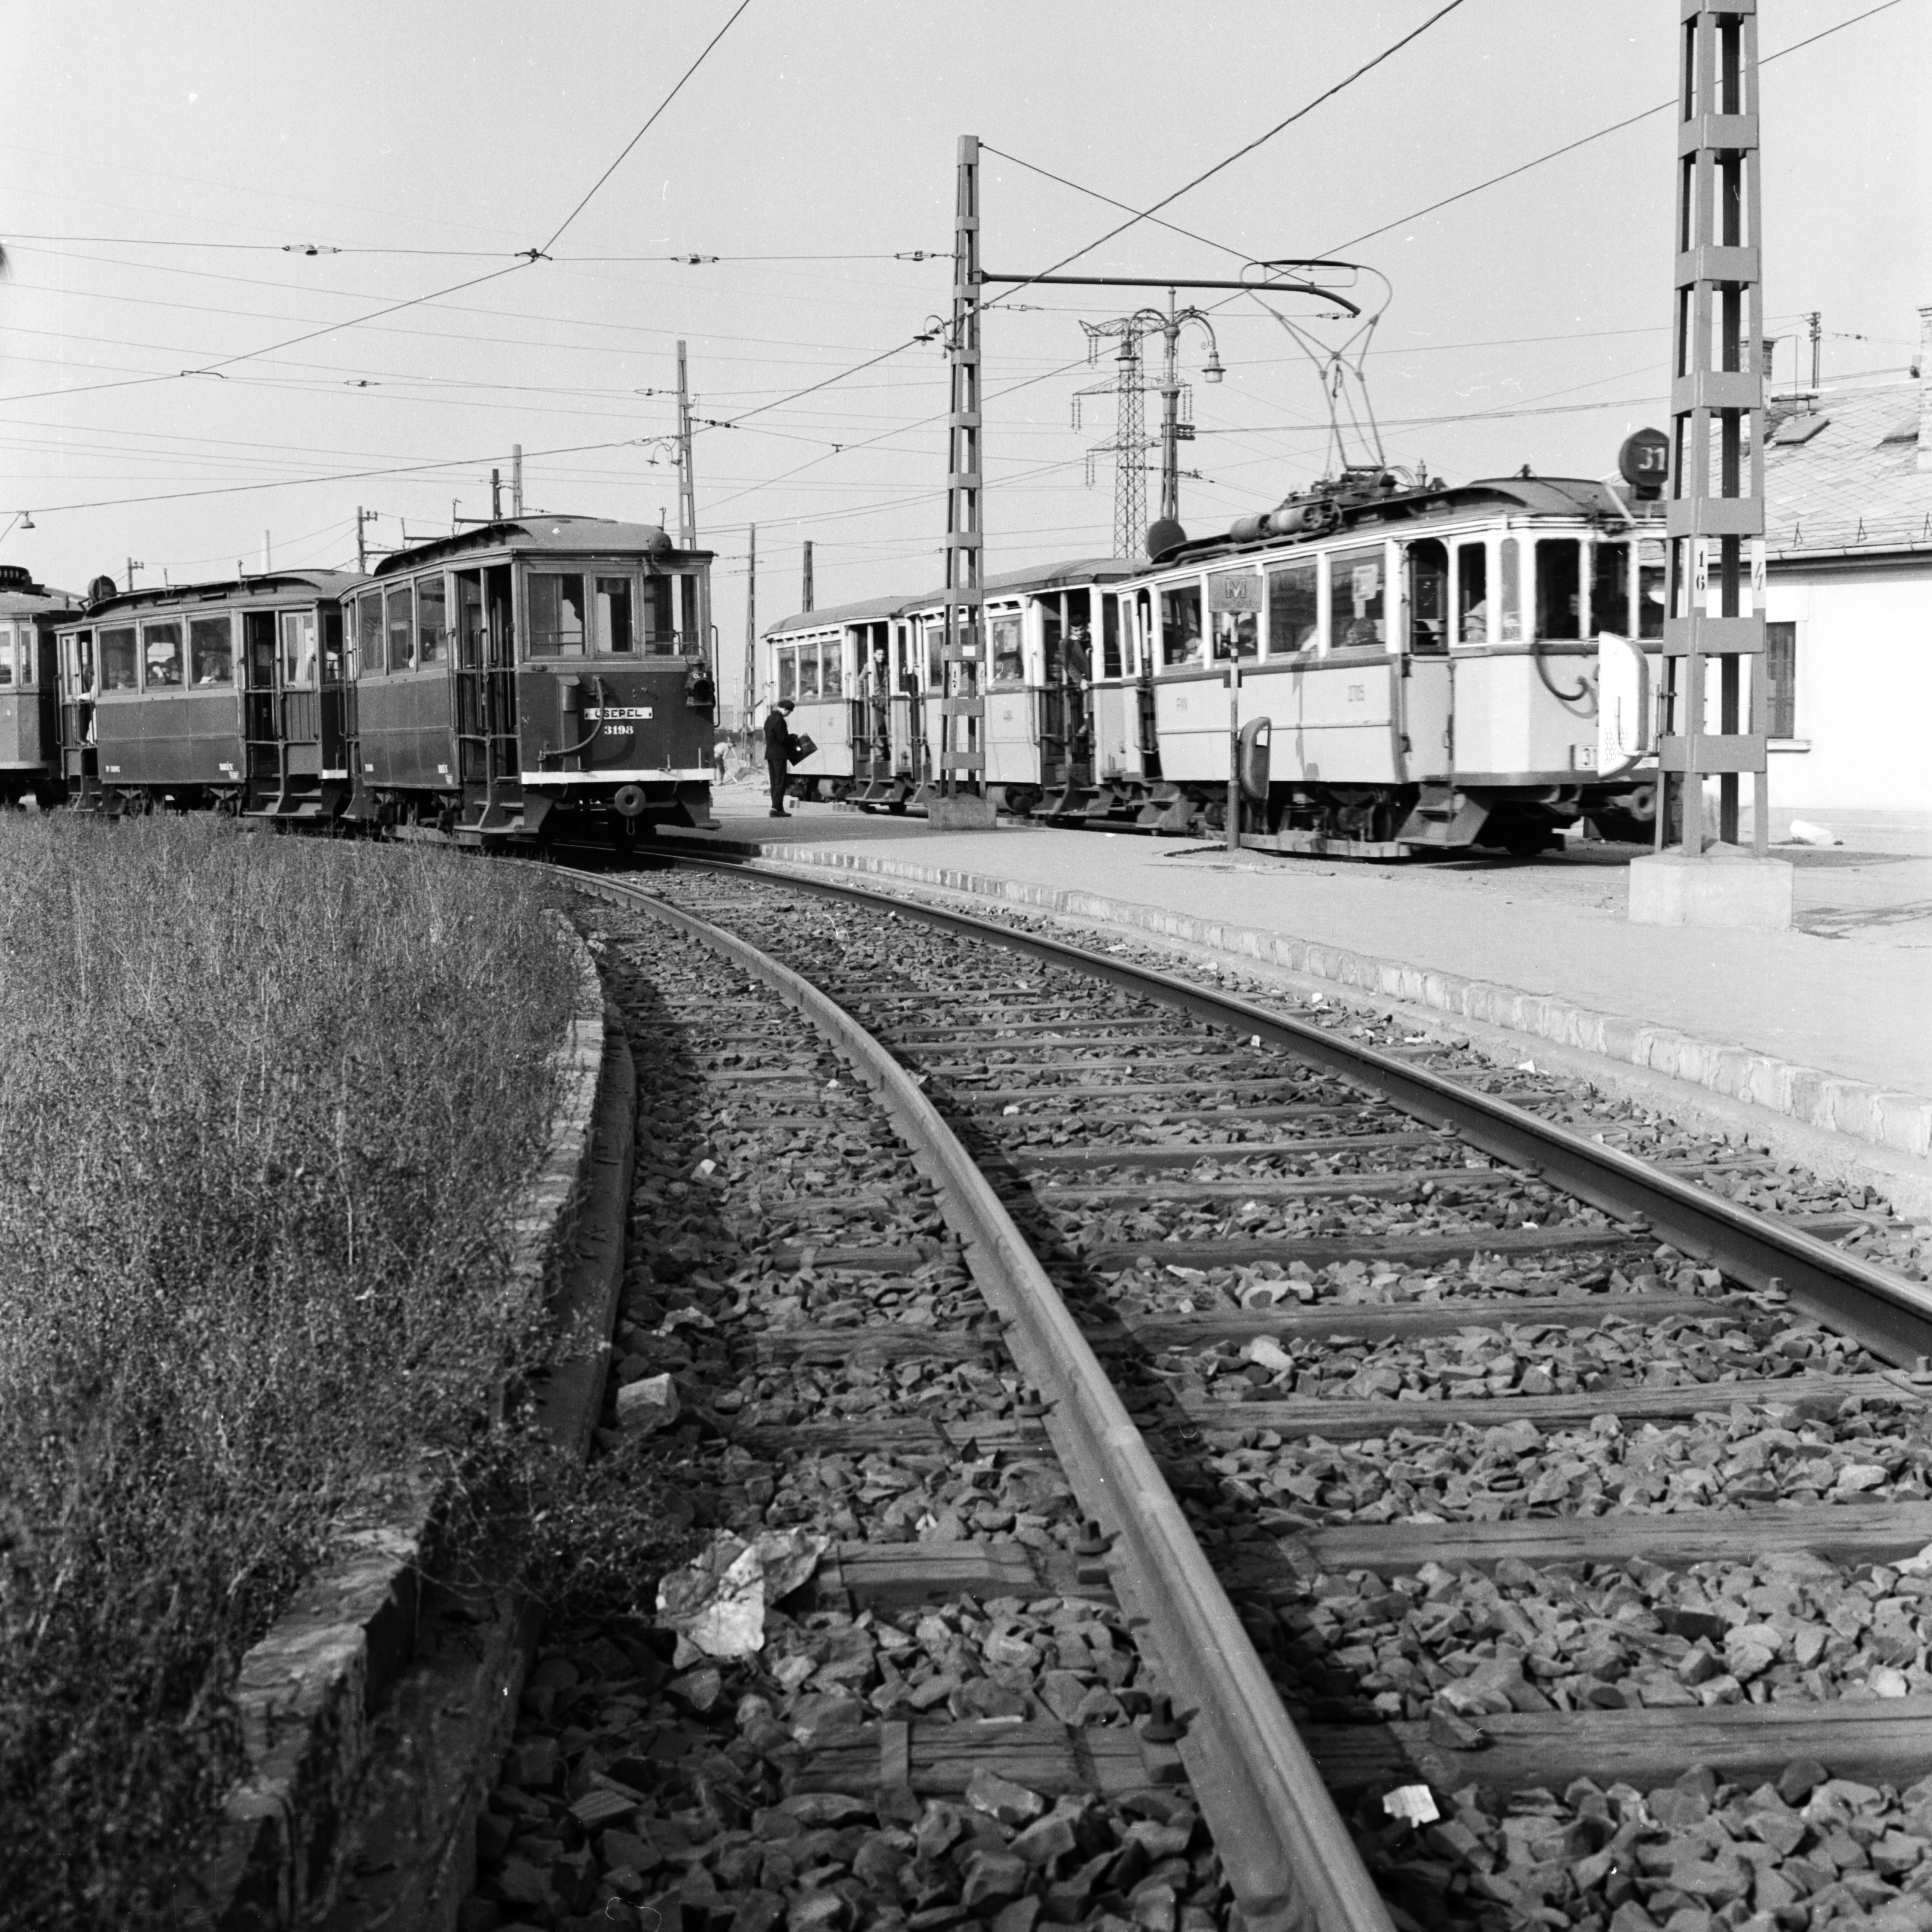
<point x="777" y="753"/>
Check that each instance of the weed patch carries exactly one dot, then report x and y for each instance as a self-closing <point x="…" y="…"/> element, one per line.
<point x="265" y="1103"/>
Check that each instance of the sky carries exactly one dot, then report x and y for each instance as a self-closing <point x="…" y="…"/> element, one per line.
<point x="182" y="382"/>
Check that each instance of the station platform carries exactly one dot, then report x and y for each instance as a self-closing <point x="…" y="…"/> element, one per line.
<point x="1826" y="1030"/>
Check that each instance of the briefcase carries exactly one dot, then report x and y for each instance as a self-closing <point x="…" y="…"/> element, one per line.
<point x="798" y="749"/>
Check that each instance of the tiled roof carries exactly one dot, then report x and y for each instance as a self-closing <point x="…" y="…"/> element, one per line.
<point x="1854" y="484"/>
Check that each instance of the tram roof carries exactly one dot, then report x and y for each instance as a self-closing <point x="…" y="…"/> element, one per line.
<point x="1035" y="576"/>
<point x="269" y="584"/>
<point x="564" y="532"/>
<point x="20" y="596"/>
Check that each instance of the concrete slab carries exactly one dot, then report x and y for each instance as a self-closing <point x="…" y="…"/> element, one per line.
<point x="1720" y="888"/>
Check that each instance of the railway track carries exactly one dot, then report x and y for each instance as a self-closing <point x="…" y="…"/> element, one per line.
<point x="1519" y="1530"/>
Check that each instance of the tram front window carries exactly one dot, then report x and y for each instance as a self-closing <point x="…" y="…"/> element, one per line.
<point x="556" y="614"/>
<point x="613" y="613"/>
<point x="161" y="653"/>
<point x="1559" y="587"/>
<point x="1650" y="588"/>
<point x="401" y="617"/>
<point x="808" y="672"/>
<point x="1180" y="624"/>
<point x="432" y="620"/>
<point x="6" y="657"/>
<point x="1609" y="589"/>
<point x="298" y="656"/>
<point x="1472" y="594"/>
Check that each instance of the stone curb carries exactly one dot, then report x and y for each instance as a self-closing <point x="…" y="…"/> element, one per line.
<point x="337" y="1702"/>
<point x="1900" y="1121"/>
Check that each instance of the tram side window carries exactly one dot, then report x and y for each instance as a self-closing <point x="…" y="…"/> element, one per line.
<point x="1428" y="598"/>
<point x="1356" y="577"/>
<point x="1110" y="636"/>
<point x="808" y="672"/>
<point x="613" y="613"/>
<point x="1650" y="588"/>
<point x="401" y="614"/>
<point x="1559" y="587"/>
<point x="1180" y="624"/>
<point x="432" y="620"/>
<point x="786" y="663"/>
<point x="211" y="650"/>
<point x="119" y="659"/>
<point x="1609" y="589"/>
<point x="935" y="658"/>
<point x="556" y="614"/>
<point x="1472" y="594"/>
<point x="369" y="629"/>
<point x="6" y="656"/>
<point x="1233" y="614"/>
<point x="832" y="669"/>
<point x="79" y="660"/>
<point x="1294" y="608"/>
<point x="299" y="663"/>
<point x="1009" y="660"/>
<point x="1510" y="558"/>
<point x="161" y="653"/>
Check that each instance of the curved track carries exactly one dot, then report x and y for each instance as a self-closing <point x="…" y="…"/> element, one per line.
<point x="1314" y="1118"/>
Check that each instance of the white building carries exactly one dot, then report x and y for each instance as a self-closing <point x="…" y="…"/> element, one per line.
<point x="1848" y="489"/>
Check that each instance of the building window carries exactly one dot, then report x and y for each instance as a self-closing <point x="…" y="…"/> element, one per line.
<point x="1780" y="680"/>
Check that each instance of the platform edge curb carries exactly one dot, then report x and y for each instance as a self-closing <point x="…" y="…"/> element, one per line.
<point x="319" y="1696"/>
<point x="1899" y="1121"/>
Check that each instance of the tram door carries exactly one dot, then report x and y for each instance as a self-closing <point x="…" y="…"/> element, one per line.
<point x="336" y="700"/>
<point x="1425" y="690"/>
<point x="905" y="703"/>
<point x="80" y="759"/>
<point x="261" y="710"/>
<point x="489" y="767"/>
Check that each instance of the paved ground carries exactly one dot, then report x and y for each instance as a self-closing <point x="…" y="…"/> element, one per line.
<point x="1849" y="992"/>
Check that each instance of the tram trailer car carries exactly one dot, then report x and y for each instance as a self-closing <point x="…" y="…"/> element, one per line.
<point x="867" y="686"/>
<point x="843" y="668"/>
<point x="535" y="677"/>
<point x="1417" y="666"/>
<point x="235" y="696"/>
<point x="29" y="716"/>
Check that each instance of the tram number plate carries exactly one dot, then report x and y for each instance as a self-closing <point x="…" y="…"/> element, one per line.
<point x="608" y="714"/>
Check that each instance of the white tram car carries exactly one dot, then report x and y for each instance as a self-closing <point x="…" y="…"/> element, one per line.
<point x="865" y="683"/>
<point x="1417" y="668"/>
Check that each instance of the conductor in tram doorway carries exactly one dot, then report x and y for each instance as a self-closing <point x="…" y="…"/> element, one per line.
<point x="778" y="752"/>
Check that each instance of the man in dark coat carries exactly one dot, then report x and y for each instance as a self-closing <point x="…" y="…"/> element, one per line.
<point x="778" y="752"/>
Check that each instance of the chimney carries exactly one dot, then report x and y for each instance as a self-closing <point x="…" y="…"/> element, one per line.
<point x="1925" y="390"/>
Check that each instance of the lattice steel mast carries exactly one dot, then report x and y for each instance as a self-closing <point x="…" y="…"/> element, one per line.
<point x="961" y="707"/>
<point x="1716" y="509"/>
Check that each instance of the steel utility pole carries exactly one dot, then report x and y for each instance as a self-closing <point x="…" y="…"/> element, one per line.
<point x="806" y="587"/>
<point x="687" y="487"/>
<point x="750" y="630"/>
<point x="134" y="563"/>
<point x="961" y="709"/>
<point x="1715" y="518"/>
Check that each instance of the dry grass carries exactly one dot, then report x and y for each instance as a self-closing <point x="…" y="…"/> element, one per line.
<point x="263" y="1103"/>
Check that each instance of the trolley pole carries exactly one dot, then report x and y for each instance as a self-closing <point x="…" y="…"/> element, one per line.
<point x="687" y="487"/>
<point x="962" y="708"/>
<point x="1715" y="518"/>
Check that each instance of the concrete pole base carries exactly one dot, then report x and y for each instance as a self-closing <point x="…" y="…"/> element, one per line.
<point x="1723" y="887"/>
<point x="963" y="812"/>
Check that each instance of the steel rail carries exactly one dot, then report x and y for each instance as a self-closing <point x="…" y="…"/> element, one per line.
<point x="1286" y="1853"/>
<point x="1889" y="1314"/>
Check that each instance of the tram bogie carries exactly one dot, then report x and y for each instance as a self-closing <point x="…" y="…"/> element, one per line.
<point x="30" y="615"/>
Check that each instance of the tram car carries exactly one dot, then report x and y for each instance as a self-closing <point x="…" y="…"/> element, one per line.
<point x="536" y="677"/>
<point x="235" y="696"/>
<point x="1416" y="666"/>
<point x="866" y="683"/>
<point x="30" y="613"/>
<point x="845" y="670"/>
